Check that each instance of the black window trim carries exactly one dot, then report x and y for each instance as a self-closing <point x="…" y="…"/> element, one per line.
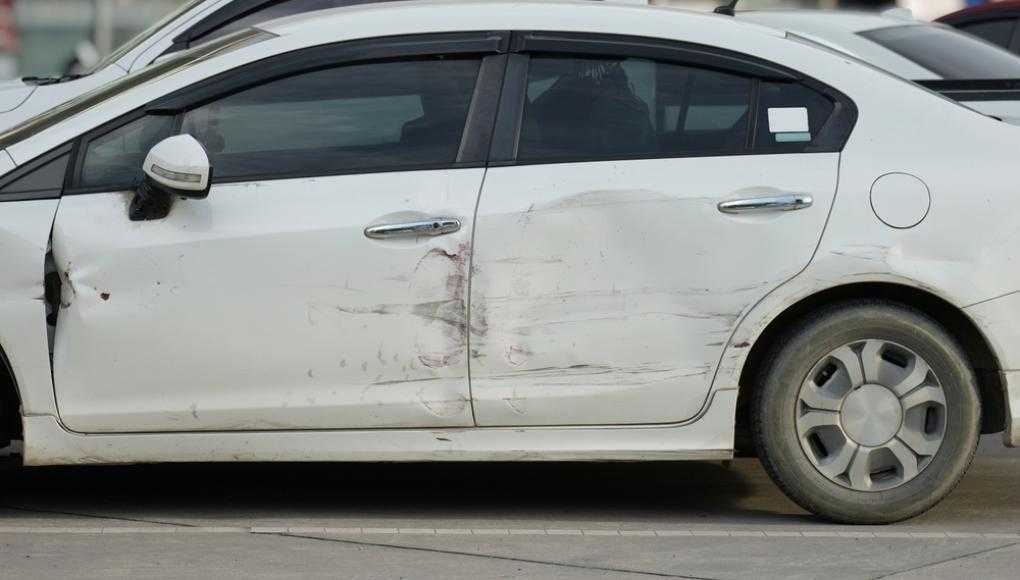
<point x="653" y="49"/>
<point x="491" y="46"/>
<point x="510" y="112"/>
<point x="28" y="168"/>
<point x="330" y="56"/>
<point x="481" y="120"/>
<point x="832" y="137"/>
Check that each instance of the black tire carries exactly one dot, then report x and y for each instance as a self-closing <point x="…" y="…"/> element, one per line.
<point x="776" y="404"/>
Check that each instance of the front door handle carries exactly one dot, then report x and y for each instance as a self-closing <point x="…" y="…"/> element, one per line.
<point x="431" y="228"/>
<point x="783" y="202"/>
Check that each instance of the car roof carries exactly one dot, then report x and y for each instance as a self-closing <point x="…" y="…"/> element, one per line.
<point x="507" y="14"/>
<point x="845" y="20"/>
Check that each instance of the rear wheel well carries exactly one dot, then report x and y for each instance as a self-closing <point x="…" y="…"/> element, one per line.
<point x="978" y="351"/>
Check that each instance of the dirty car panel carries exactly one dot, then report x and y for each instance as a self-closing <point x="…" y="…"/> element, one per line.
<point x="265" y="307"/>
<point x="606" y="293"/>
<point x="24" y="226"/>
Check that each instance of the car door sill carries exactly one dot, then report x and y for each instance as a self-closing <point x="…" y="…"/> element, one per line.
<point x="710" y="437"/>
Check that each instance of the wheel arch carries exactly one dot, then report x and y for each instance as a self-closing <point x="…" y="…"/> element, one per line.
<point x="977" y="348"/>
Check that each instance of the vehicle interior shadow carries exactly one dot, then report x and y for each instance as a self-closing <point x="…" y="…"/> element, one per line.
<point x="686" y="492"/>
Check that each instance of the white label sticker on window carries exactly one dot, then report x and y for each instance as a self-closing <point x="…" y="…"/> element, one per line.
<point x="789" y="120"/>
<point x="793" y="137"/>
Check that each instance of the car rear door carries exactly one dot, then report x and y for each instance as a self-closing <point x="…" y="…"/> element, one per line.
<point x="303" y="293"/>
<point x="649" y="195"/>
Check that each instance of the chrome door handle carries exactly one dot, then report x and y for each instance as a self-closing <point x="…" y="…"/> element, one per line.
<point x="432" y="227"/>
<point x="784" y="202"/>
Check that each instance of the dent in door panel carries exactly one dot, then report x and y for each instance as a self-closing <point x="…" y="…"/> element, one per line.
<point x="605" y="293"/>
<point x="266" y="307"/>
<point x="24" y="238"/>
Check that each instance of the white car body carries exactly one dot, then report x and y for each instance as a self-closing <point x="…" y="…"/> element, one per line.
<point x="23" y="99"/>
<point x="842" y="30"/>
<point x="585" y="310"/>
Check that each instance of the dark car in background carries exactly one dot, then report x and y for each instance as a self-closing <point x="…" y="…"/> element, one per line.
<point x="996" y="22"/>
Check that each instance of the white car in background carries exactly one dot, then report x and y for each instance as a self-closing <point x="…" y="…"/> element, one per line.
<point x="194" y="22"/>
<point x="965" y="68"/>
<point x="525" y="231"/>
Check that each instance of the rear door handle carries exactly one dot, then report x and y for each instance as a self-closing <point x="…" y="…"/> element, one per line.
<point x="782" y="202"/>
<point x="432" y="227"/>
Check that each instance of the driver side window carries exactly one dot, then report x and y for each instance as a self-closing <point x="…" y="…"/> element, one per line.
<point x="113" y="161"/>
<point x="359" y="118"/>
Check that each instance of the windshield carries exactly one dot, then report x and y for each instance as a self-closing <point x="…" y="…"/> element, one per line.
<point x="154" y="71"/>
<point x="948" y="53"/>
<point x="140" y="38"/>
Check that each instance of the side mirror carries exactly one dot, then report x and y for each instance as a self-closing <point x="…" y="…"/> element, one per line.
<point x="175" y="167"/>
<point x="179" y="166"/>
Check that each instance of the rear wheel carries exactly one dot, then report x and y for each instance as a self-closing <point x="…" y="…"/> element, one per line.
<point x="868" y="413"/>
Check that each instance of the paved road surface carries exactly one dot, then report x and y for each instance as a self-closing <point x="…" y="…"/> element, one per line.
<point x="673" y="520"/>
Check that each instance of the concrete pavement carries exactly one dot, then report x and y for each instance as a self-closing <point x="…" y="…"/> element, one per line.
<point x="681" y="520"/>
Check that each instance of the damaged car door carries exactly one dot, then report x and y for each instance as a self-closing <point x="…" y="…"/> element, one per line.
<point x="321" y="285"/>
<point x="655" y="193"/>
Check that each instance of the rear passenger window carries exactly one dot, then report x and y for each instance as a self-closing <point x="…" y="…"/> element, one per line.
<point x="795" y="97"/>
<point x="604" y="108"/>
<point x="367" y="117"/>
<point x="582" y="108"/>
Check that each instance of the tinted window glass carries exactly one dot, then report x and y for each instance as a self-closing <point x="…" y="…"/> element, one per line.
<point x="276" y="10"/>
<point x="581" y="108"/>
<point x="97" y="96"/>
<point x="948" y="53"/>
<point x="790" y="96"/>
<point x="371" y="116"/>
<point x="998" y="32"/>
<point x="49" y="177"/>
<point x="114" y="161"/>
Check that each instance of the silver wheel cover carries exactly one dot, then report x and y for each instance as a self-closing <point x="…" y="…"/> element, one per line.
<point x="871" y="415"/>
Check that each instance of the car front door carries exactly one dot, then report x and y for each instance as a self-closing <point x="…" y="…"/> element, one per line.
<point x="294" y="296"/>
<point x="655" y="193"/>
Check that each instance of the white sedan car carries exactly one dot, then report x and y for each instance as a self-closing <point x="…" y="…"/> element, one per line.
<point x="516" y="231"/>
<point x="979" y="74"/>
<point x="194" y="22"/>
